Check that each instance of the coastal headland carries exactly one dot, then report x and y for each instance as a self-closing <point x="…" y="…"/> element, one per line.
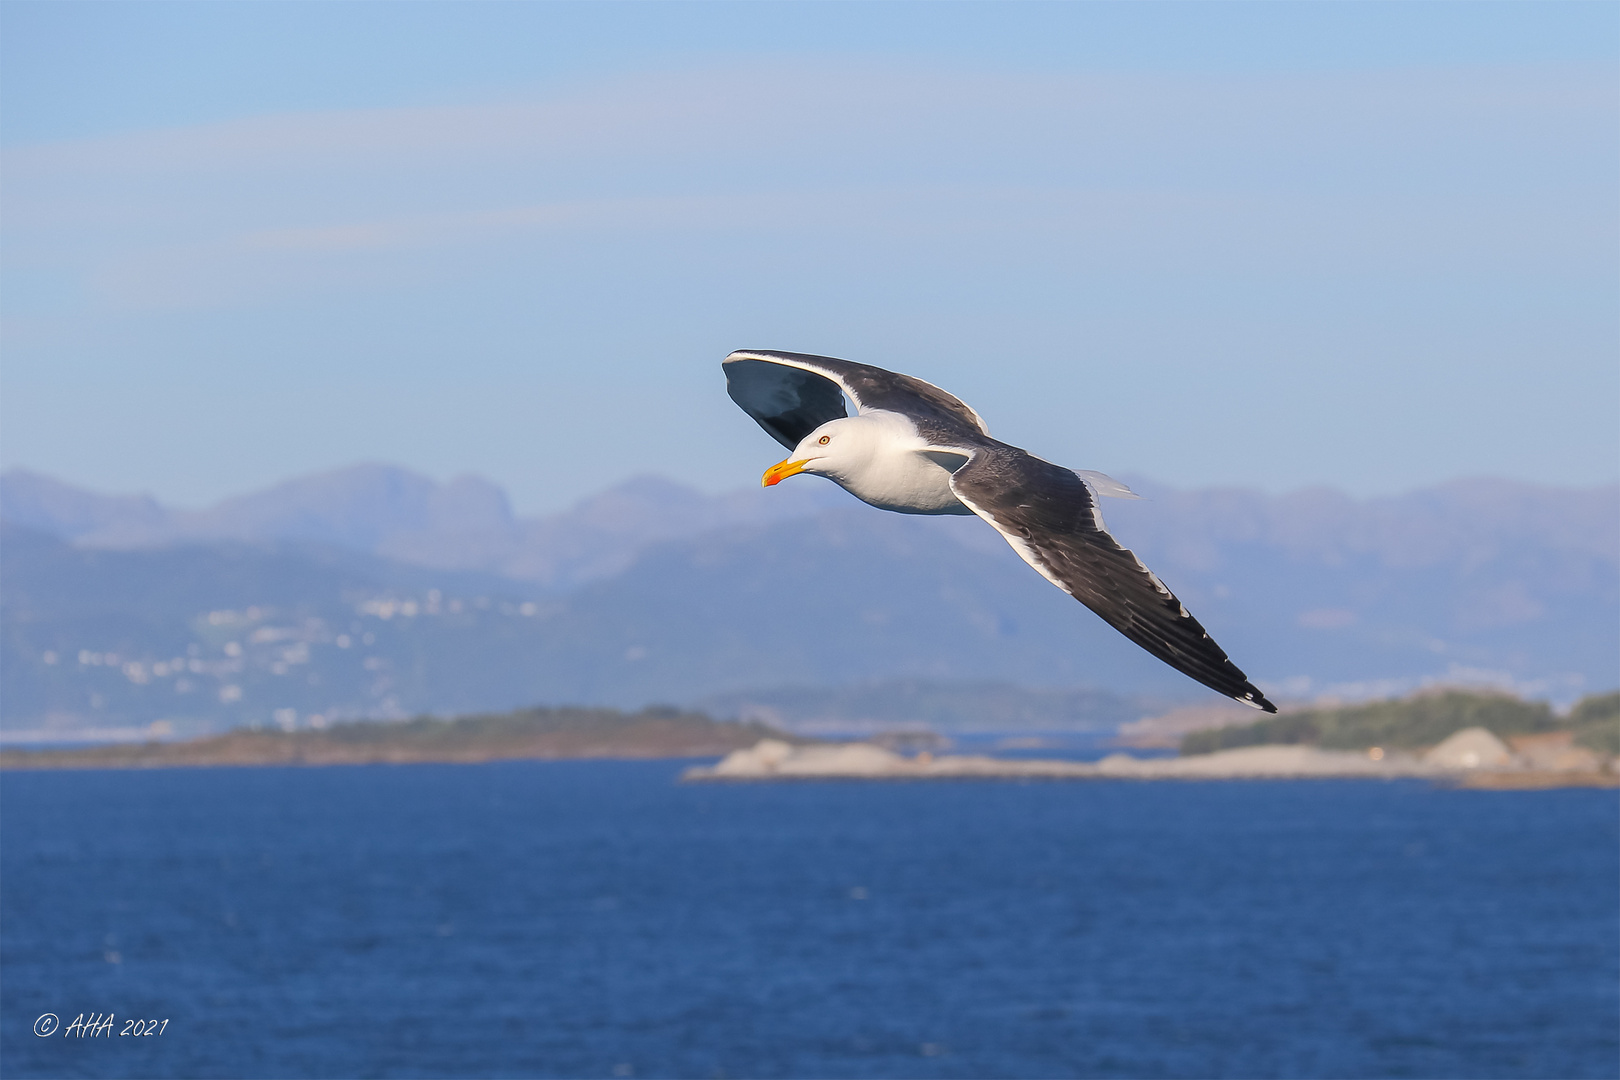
<point x="1468" y="739"/>
<point x="1452" y="737"/>
<point x="525" y="734"/>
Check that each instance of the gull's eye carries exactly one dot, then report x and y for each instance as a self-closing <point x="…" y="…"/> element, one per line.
<point x="824" y="440"/>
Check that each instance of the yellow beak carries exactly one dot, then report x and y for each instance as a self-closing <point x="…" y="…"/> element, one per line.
<point x="781" y="471"/>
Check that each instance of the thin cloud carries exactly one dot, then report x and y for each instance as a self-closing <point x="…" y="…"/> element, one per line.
<point x="1303" y="171"/>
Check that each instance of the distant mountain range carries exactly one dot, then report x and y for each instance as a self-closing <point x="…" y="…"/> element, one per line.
<point x="375" y="592"/>
<point x="383" y="510"/>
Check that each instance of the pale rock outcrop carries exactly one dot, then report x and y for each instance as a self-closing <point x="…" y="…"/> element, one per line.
<point x="1471" y="748"/>
<point x="771" y="759"/>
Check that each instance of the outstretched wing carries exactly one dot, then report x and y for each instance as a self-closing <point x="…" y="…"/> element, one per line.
<point x="1049" y="516"/>
<point x="792" y="394"/>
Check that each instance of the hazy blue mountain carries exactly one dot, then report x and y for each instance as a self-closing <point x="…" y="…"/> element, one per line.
<point x="95" y="638"/>
<point x="1310" y="593"/>
<point x="465" y="524"/>
<point x="213" y="635"/>
<point x="50" y="506"/>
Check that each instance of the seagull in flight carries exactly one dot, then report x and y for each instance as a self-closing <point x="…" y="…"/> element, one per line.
<point x="914" y="449"/>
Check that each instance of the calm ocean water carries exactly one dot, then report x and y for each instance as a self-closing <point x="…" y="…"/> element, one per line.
<point x="599" y="919"/>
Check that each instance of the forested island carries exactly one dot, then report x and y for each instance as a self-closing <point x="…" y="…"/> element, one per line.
<point x="539" y="733"/>
<point x="1421" y="721"/>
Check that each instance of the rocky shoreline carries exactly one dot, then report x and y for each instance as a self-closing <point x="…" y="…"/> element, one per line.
<point x="529" y="734"/>
<point x="1465" y="760"/>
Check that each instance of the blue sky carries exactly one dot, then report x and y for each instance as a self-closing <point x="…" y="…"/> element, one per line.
<point x="1371" y="246"/>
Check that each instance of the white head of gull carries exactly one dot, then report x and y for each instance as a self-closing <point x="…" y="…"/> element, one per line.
<point x="880" y="459"/>
<point x="914" y="449"/>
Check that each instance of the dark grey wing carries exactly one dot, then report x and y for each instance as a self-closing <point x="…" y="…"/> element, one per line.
<point x="1049" y="516"/>
<point x="788" y="402"/>
<point x="786" y="391"/>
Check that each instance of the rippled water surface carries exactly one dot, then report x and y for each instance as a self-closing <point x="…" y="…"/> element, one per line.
<point x="600" y="919"/>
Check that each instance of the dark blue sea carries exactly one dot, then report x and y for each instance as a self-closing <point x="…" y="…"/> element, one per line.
<point x="599" y="919"/>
